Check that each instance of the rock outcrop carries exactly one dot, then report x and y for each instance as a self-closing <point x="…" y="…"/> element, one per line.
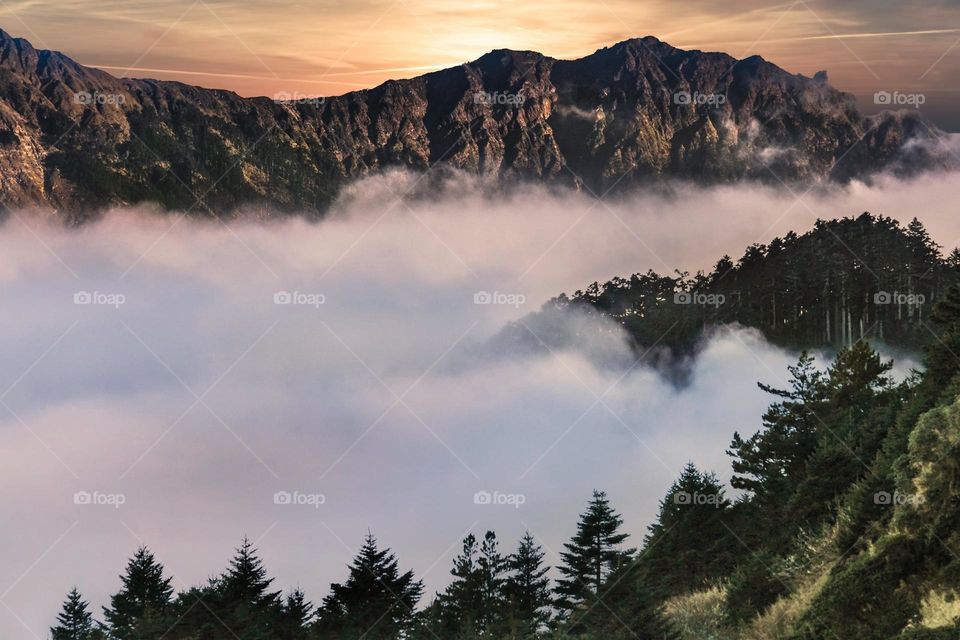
<point x="77" y="139"/>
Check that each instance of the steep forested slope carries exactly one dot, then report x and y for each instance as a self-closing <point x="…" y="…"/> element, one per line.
<point x="845" y="280"/>
<point x="843" y="521"/>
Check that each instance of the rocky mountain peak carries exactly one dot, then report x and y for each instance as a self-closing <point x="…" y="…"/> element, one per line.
<point x="77" y="138"/>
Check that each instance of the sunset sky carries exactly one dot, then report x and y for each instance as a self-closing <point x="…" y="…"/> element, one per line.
<point x="328" y="47"/>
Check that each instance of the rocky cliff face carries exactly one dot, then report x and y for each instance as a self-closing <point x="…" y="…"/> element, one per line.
<point x="78" y="139"/>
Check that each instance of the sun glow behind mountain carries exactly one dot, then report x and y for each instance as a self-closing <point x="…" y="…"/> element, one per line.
<point x="328" y="48"/>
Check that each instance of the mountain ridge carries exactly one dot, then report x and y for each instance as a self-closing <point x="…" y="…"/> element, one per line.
<point x="76" y="138"/>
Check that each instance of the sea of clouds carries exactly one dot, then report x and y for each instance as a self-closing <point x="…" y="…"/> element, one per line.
<point x="182" y="383"/>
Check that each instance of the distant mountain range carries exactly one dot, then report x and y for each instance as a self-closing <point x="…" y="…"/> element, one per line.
<point x="77" y="139"/>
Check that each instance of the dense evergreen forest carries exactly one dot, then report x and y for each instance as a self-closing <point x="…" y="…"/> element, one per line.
<point x="845" y="524"/>
<point x="846" y="279"/>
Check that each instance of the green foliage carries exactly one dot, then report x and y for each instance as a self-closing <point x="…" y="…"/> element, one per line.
<point x="774" y="289"/>
<point x="376" y="602"/>
<point x="754" y="586"/>
<point x="873" y="597"/>
<point x="591" y="556"/>
<point x="943" y="633"/>
<point x="295" y="617"/>
<point x="458" y="609"/>
<point x="690" y="545"/>
<point x="527" y="590"/>
<point x="244" y="601"/>
<point x="74" y="622"/>
<point x="136" y="610"/>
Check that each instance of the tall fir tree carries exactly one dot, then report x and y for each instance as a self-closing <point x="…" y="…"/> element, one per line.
<point x="247" y="606"/>
<point x="859" y="409"/>
<point x="458" y="610"/>
<point x="689" y="544"/>
<point x="142" y="601"/>
<point x="767" y="462"/>
<point x="592" y="555"/>
<point x="74" y="622"/>
<point x="376" y="602"/>
<point x="772" y="462"/>
<point x="295" y="617"/>
<point x="492" y="566"/>
<point x="474" y="603"/>
<point x="527" y="590"/>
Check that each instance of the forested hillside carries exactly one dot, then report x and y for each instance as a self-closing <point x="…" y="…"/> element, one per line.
<point x="845" y="523"/>
<point x="846" y="279"/>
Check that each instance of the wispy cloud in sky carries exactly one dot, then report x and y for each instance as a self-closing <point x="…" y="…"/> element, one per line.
<point x="331" y="47"/>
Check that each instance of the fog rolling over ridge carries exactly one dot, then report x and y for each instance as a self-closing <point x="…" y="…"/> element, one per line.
<point x="198" y="369"/>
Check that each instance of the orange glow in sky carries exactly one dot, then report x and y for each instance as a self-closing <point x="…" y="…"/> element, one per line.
<point x="328" y="47"/>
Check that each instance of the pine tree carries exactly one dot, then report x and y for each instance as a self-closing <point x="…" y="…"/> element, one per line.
<point x="767" y="461"/>
<point x="198" y="612"/>
<point x="295" y="617"/>
<point x="527" y="590"/>
<point x="144" y="597"/>
<point x="772" y="462"/>
<point x="74" y="622"/>
<point x="492" y="566"/>
<point x="942" y="364"/>
<point x="922" y="244"/>
<point x="591" y="556"/>
<point x="376" y="602"/>
<point x="459" y="609"/>
<point x="247" y="606"/>
<point x="859" y="408"/>
<point x="689" y="544"/>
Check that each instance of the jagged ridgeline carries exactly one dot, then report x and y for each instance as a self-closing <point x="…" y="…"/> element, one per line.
<point x="846" y="279"/>
<point x="75" y="138"/>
